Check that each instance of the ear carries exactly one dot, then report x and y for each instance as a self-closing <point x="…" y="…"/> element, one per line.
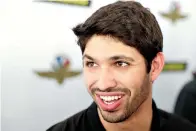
<point x="157" y="66"/>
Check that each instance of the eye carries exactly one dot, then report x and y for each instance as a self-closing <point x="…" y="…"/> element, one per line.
<point x="90" y="64"/>
<point x="121" y="63"/>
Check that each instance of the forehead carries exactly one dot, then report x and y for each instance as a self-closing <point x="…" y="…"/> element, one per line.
<point x="104" y="46"/>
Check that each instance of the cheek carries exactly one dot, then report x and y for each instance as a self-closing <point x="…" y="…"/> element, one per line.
<point x="89" y="78"/>
<point x="132" y="78"/>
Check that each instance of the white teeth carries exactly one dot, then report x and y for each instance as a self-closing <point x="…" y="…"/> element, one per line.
<point x="110" y="98"/>
<point x="116" y="97"/>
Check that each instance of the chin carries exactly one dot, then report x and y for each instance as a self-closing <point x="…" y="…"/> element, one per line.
<point x="115" y="116"/>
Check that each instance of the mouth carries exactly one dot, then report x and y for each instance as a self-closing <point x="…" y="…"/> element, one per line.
<point x="109" y="101"/>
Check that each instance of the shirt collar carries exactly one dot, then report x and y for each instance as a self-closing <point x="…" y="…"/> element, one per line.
<point x="155" y="124"/>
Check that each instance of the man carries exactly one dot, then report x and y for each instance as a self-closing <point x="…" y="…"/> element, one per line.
<point x="121" y="45"/>
<point x="186" y="101"/>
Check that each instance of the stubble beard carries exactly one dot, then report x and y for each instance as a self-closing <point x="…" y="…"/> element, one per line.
<point x="129" y="106"/>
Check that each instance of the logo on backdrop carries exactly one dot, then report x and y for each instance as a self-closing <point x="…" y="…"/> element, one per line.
<point x="60" y="70"/>
<point x="174" y="13"/>
<point x="68" y="2"/>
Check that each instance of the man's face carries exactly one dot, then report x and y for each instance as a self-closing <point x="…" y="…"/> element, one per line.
<point x="116" y="78"/>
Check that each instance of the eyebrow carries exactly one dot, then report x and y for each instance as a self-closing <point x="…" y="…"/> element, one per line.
<point x="113" y="58"/>
<point x="121" y="57"/>
<point x="87" y="56"/>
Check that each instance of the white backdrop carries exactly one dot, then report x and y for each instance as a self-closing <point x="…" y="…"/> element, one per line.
<point x="33" y="33"/>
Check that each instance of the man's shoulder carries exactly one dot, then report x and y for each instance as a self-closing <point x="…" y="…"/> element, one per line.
<point x="69" y="124"/>
<point x="174" y="122"/>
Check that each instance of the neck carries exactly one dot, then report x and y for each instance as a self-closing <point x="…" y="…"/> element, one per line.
<point x="139" y="121"/>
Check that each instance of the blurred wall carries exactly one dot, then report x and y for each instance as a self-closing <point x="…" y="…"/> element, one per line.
<point x="32" y="33"/>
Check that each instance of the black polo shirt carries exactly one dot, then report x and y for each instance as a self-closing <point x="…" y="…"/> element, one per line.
<point x="88" y="120"/>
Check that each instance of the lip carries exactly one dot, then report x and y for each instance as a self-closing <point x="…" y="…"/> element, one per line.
<point x="108" y="107"/>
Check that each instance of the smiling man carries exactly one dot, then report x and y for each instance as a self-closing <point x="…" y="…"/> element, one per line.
<point x="122" y="46"/>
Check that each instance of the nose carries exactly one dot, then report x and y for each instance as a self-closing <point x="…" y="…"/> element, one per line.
<point x="106" y="79"/>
